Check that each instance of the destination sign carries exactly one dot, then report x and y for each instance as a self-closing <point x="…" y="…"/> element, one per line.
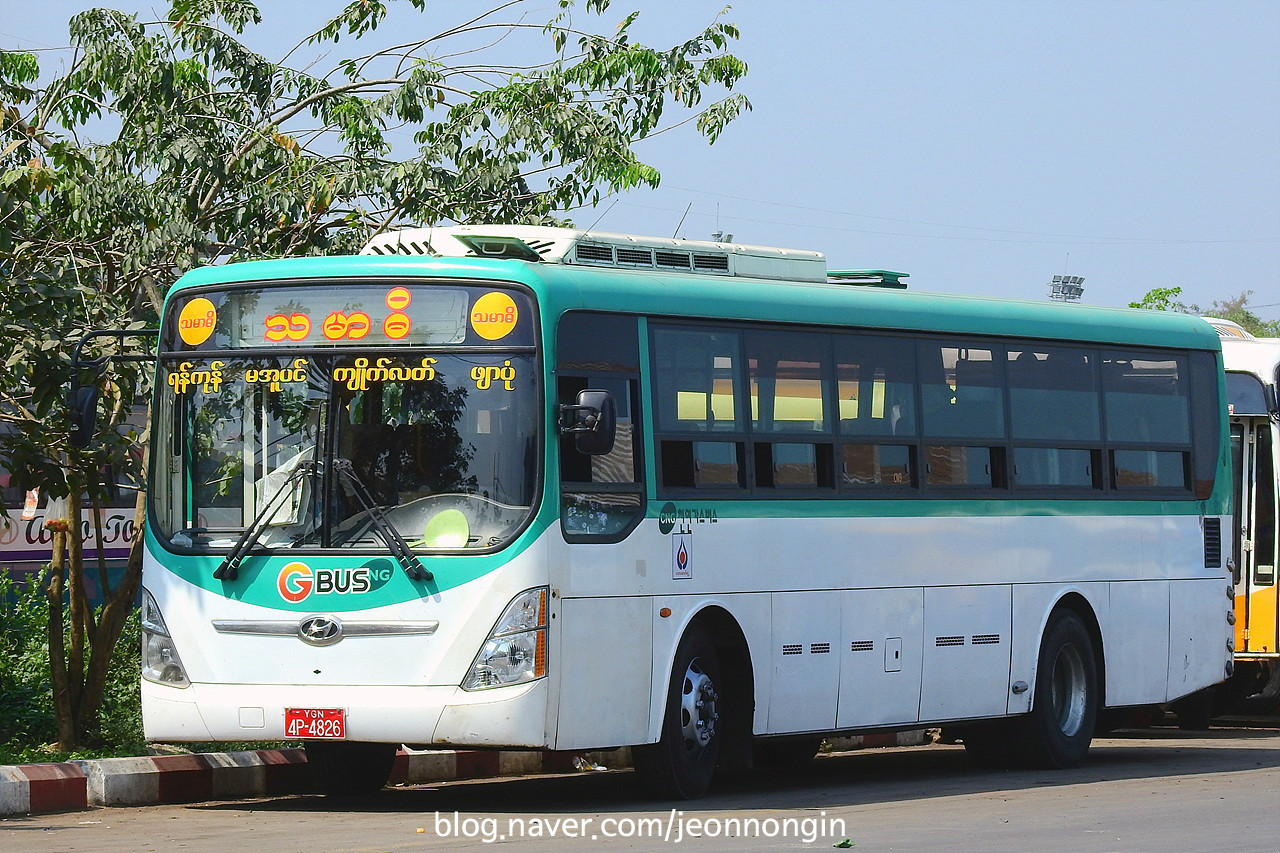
<point x="348" y="314"/>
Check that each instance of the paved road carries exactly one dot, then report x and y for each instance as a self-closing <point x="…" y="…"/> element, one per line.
<point x="1159" y="790"/>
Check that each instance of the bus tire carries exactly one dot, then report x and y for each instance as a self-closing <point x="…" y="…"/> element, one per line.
<point x="680" y="765"/>
<point x="1058" y="730"/>
<point x="350" y="768"/>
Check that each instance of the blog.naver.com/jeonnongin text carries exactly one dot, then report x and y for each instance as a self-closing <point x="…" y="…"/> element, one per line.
<point x="671" y="828"/>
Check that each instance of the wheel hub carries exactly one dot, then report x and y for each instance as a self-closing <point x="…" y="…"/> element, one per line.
<point x="1068" y="690"/>
<point x="698" y="711"/>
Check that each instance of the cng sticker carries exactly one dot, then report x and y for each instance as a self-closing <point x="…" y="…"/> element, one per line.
<point x="196" y="322"/>
<point x="682" y="556"/>
<point x="494" y="315"/>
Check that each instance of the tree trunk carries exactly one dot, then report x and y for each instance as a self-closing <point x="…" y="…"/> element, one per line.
<point x="115" y="612"/>
<point x="77" y="601"/>
<point x="58" y="681"/>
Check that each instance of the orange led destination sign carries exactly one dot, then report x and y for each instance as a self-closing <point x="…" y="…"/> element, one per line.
<point x="352" y="314"/>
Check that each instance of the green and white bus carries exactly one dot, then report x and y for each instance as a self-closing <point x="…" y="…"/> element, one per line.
<point x="515" y="487"/>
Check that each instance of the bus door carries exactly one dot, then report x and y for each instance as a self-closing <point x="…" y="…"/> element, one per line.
<point x="1254" y="536"/>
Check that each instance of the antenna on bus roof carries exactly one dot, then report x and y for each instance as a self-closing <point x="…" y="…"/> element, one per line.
<point x="675" y="234"/>
<point x="601" y="216"/>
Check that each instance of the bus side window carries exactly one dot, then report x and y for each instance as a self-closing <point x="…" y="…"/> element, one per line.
<point x="876" y="411"/>
<point x="1147" y="410"/>
<point x="601" y="497"/>
<point x="1264" y="529"/>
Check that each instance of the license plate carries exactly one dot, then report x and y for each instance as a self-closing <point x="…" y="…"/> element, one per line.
<point x="315" y="723"/>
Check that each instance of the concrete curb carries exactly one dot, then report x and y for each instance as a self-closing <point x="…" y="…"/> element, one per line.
<point x="170" y="779"/>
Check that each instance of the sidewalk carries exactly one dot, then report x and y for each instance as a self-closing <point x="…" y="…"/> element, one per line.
<point x="164" y="779"/>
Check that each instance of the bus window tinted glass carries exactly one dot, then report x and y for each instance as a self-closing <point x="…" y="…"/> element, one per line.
<point x="962" y="390"/>
<point x="788" y="381"/>
<point x="795" y="465"/>
<point x="1053" y="394"/>
<point x="876" y="465"/>
<point x="1146" y="398"/>
<point x="1149" y="469"/>
<point x="1245" y="394"/>
<point x="875" y="385"/>
<point x="597" y="343"/>
<point x="695" y="380"/>
<point x="1052" y="466"/>
<point x="960" y="466"/>
<point x="620" y="464"/>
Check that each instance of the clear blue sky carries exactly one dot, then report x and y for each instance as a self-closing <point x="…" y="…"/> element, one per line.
<point x="980" y="146"/>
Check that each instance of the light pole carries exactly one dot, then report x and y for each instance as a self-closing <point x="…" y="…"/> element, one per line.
<point x="1066" y="288"/>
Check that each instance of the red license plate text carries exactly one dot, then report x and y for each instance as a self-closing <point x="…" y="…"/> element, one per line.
<point x="315" y="723"/>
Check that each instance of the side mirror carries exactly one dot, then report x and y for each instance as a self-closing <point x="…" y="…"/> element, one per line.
<point x="83" y="406"/>
<point x="592" y="421"/>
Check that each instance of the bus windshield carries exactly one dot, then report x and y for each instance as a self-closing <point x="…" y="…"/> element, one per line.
<point x="313" y="451"/>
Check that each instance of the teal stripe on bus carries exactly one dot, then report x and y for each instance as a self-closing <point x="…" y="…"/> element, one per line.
<point x="562" y="287"/>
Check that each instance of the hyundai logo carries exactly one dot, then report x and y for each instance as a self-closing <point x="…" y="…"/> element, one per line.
<point x="320" y="630"/>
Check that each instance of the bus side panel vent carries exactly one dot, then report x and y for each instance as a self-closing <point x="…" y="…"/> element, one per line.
<point x="819" y="648"/>
<point x="862" y="646"/>
<point x="672" y="260"/>
<point x="792" y="648"/>
<point x="985" y="640"/>
<point x="1212" y="543"/>
<point x="703" y="262"/>
<point x="595" y="254"/>
<point x="634" y="257"/>
<point x="939" y="642"/>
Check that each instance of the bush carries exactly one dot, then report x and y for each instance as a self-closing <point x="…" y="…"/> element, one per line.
<point x="28" y="727"/>
<point x="26" y="704"/>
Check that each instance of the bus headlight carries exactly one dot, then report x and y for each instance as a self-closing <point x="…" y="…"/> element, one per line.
<point x="516" y="649"/>
<point x="160" y="660"/>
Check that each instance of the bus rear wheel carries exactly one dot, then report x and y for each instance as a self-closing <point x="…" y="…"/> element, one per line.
<point x="349" y="768"/>
<point x="680" y="765"/>
<point x="1060" y="726"/>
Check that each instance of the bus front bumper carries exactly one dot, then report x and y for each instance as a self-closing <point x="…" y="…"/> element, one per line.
<point x="438" y="716"/>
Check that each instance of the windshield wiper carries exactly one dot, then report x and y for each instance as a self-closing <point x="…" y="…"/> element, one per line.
<point x="399" y="548"/>
<point x="229" y="570"/>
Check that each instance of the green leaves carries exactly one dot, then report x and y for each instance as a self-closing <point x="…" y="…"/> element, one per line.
<point x="1161" y="299"/>
<point x="167" y="145"/>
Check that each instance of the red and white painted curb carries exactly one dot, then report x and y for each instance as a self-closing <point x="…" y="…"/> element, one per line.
<point x="36" y="788"/>
<point x="204" y="777"/>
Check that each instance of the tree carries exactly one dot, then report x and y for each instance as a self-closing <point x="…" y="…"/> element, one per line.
<point x="1163" y="299"/>
<point x="216" y="154"/>
<point x="1235" y="309"/>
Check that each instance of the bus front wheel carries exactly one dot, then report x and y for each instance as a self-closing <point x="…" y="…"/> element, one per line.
<point x="1060" y="726"/>
<point x="349" y="768"/>
<point x="681" y="763"/>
